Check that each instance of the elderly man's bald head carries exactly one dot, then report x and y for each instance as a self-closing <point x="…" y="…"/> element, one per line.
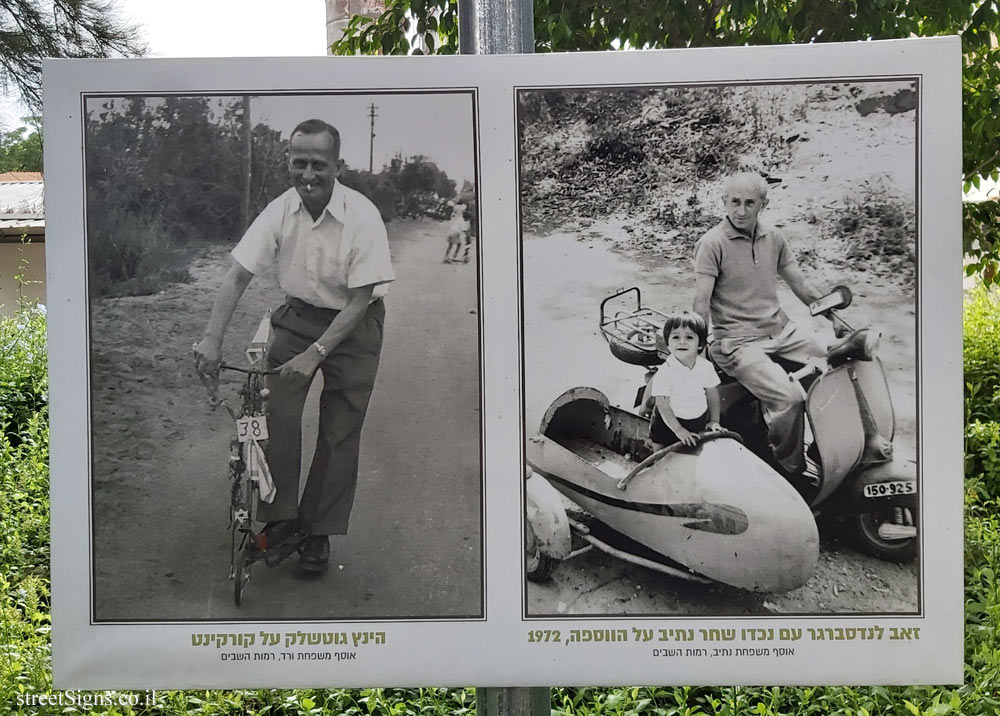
<point x="745" y="182"/>
<point x="744" y="195"/>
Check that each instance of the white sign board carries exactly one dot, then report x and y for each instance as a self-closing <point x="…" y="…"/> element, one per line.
<point x="517" y="193"/>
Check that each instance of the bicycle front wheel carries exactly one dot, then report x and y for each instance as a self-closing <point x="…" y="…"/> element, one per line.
<point x="243" y="510"/>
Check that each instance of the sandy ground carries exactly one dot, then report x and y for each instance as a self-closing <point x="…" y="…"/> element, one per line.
<point x="569" y="270"/>
<point x="160" y="486"/>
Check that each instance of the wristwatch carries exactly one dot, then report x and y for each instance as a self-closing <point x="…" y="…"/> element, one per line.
<point x="320" y="349"/>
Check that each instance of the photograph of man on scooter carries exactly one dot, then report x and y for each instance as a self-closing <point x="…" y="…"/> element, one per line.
<point x="737" y="266"/>
<point x="784" y="216"/>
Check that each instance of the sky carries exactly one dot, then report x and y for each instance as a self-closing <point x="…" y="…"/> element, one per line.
<point x="439" y="126"/>
<point x="217" y="28"/>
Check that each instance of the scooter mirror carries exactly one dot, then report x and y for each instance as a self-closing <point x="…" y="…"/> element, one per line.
<point x="838" y="298"/>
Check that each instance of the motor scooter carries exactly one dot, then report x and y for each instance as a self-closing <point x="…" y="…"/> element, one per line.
<point x="853" y="473"/>
<point x="719" y="511"/>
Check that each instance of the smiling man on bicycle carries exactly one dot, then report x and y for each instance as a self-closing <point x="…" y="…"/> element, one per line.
<point x="333" y="263"/>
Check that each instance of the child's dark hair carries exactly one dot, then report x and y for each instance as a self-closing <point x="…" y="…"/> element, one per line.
<point x="690" y="320"/>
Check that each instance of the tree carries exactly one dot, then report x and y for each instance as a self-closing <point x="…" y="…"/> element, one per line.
<point x="420" y="175"/>
<point x="562" y="25"/>
<point x="31" y="30"/>
<point x="163" y="173"/>
<point x="19" y="151"/>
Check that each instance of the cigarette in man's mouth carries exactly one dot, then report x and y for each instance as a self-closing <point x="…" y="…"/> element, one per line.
<point x="309" y="186"/>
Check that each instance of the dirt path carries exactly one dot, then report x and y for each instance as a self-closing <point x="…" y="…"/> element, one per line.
<point x="160" y="494"/>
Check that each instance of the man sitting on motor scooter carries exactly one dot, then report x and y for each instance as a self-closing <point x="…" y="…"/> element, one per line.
<point x="684" y="389"/>
<point x="737" y="264"/>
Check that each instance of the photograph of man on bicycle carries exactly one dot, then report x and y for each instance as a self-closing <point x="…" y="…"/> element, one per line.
<point x="340" y="485"/>
<point x="332" y="321"/>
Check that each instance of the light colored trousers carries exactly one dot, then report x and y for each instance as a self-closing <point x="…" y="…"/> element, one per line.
<point x="748" y="360"/>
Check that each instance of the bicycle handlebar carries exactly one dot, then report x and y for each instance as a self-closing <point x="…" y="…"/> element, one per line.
<point x="238" y="369"/>
<point x="213" y="388"/>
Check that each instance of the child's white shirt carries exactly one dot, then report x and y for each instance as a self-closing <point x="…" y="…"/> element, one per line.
<point x="685" y="386"/>
<point x="458" y="221"/>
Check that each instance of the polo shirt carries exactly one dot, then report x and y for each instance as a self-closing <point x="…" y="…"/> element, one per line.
<point x="685" y="386"/>
<point x="745" y="298"/>
<point x="318" y="261"/>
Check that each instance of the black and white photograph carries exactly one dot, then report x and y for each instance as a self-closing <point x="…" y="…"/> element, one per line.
<point x="284" y="347"/>
<point x="720" y="359"/>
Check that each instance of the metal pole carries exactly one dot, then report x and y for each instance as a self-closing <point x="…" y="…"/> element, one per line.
<point x="496" y="27"/>
<point x="502" y="27"/>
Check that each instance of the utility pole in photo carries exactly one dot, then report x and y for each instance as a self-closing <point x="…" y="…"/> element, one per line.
<point x="502" y="27"/>
<point x="371" y="140"/>
<point x="247" y="165"/>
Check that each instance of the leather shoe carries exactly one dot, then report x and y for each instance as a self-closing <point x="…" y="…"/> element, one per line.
<point x="276" y="541"/>
<point x="314" y="553"/>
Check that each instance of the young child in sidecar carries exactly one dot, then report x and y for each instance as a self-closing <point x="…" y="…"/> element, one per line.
<point x="684" y="390"/>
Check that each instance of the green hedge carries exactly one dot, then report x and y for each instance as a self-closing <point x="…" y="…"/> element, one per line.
<point x="24" y="506"/>
<point x="981" y="355"/>
<point x="982" y="456"/>
<point x="24" y="381"/>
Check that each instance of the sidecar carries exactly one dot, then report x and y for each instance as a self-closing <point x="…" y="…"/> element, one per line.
<point x="715" y="512"/>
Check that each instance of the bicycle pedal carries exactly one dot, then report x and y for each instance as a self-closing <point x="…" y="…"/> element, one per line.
<point x="275" y="556"/>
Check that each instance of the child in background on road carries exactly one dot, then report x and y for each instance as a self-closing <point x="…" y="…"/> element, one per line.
<point x="684" y="389"/>
<point x="470" y="232"/>
<point x="457" y="230"/>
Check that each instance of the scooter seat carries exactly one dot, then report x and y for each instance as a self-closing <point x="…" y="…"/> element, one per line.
<point x="859" y="345"/>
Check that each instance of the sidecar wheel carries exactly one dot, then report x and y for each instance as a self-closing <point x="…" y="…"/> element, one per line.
<point x="628" y="353"/>
<point x="864" y="532"/>
<point x="538" y="566"/>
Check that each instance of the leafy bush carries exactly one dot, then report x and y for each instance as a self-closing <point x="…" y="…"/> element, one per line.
<point x="981" y="355"/>
<point x="379" y="188"/>
<point x="640" y="150"/>
<point x="982" y="456"/>
<point x="878" y="231"/>
<point x="982" y="603"/>
<point x="24" y="505"/>
<point x="23" y="370"/>
<point x="132" y="254"/>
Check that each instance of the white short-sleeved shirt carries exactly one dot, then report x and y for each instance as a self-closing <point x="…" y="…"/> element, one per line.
<point x="318" y="261"/>
<point x="685" y="386"/>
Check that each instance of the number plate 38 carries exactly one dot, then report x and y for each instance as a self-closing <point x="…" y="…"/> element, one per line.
<point x="252" y="427"/>
<point x="890" y="489"/>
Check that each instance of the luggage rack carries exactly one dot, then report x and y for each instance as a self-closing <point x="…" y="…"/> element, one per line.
<point x="635" y="336"/>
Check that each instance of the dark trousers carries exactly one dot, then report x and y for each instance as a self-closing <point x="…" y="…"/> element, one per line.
<point x="748" y="359"/>
<point x="660" y="432"/>
<point x="348" y="378"/>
